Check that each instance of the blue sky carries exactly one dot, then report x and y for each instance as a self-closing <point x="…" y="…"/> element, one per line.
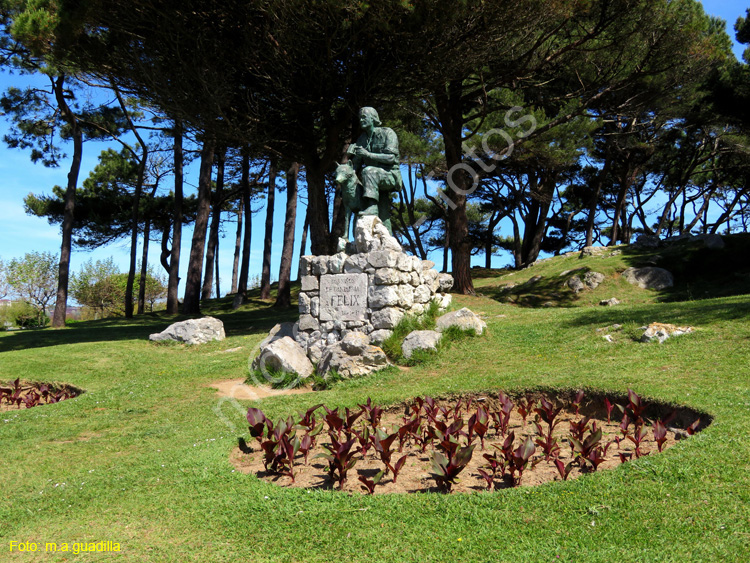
<point x="20" y="233"/>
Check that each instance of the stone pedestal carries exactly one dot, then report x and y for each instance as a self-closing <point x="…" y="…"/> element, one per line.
<point x="366" y="290"/>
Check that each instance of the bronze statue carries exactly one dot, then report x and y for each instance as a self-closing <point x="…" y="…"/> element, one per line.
<point x="375" y="157"/>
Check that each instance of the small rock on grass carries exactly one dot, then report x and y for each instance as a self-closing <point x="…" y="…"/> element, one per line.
<point x="192" y="331"/>
<point x="420" y="340"/>
<point x="662" y="331"/>
<point x="464" y="319"/>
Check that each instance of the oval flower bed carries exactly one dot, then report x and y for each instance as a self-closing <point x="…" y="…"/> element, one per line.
<point x="478" y="442"/>
<point x="18" y="394"/>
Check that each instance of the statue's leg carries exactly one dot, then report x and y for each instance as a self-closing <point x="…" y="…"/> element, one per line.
<point x="370" y="191"/>
<point x="347" y="216"/>
<point x="384" y="210"/>
<point x="369" y="207"/>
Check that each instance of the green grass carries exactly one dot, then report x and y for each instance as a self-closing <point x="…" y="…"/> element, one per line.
<point x="141" y="458"/>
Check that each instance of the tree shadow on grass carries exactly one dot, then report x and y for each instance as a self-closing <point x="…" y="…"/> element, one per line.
<point x="696" y="313"/>
<point x="699" y="272"/>
<point x="539" y="291"/>
<point x="255" y="317"/>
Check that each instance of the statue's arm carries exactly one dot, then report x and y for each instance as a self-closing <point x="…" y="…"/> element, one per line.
<point x="389" y="155"/>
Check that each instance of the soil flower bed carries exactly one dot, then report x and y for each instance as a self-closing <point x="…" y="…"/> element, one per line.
<point x="470" y="443"/>
<point x="19" y="394"/>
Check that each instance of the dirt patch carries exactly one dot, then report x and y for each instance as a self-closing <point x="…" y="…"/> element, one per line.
<point x="238" y="389"/>
<point x="415" y="474"/>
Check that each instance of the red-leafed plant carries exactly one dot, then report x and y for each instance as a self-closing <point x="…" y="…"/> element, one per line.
<point x="446" y="469"/>
<point x="609" y="406"/>
<point x="563" y="469"/>
<point x="489" y="478"/>
<point x="548" y="412"/>
<point x="577" y="401"/>
<point x="396" y="468"/>
<point x="634" y="409"/>
<point x="693" y="427"/>
<point x="479" y="423"/>
<point x="547" y="442"/>
<point x="660" y="434"/>
<point x="637" y="437"/>
<point x="520" y="460"/>
<point x="525" y="408"/>
<point x="257" y="421"/>
<point x="340" y="459"/>
<point x="372" y="413"/>
<point x="578" y="428"/>
<point x="589" y="452"/>
<point x="369" y="484"/>
<point x="334" y="421"/>
<point x="383" y="444"/>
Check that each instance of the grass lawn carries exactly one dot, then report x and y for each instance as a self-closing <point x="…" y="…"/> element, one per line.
<point x="142" y="458"/>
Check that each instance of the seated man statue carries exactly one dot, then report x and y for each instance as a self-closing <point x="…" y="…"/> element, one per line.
<point x="375" y="156"/>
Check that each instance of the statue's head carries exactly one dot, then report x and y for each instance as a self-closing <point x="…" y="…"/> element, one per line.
<point x="370" y="115"/>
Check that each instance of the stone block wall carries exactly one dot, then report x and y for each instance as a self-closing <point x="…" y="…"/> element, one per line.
<point x="367" y="292"/>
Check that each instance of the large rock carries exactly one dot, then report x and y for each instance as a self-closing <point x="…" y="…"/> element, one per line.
<point x="593" y="279"/>
<point x="463" y="319"/>
<point x="386" y="318"/>
<point x="661" y="331"/>
<point x="371" y="235"/>
<point x="593" y="251"/>
<point x="649" y="277"/>
<point x="277" y="332"/>
<point x="420" y="340"/>
<point x="711" y="241"/>
<point x="379" y="296"/>
<point x="647" y="242"/>
<point x="576" y="284"/>
<point x="363" y="362"/>
<point x="609" y="302"/>
<point x="355" y="343"/>
<point x="192" y="331"/>
<point x="446" y="282"/>
<point x="284" y="355"/>
<point x="380" y="336"/>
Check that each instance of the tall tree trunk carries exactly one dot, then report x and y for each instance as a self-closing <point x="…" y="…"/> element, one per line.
<point x="534" y="229"/>
<point x="494" y="219"/>
<point x="165" y="250"/>
<point x="213" y="233"/>
<point x="265" y="276"/>
<point x="237" y="247"/>
<point x="517" y="243"/>
<point x="446" y="245"/>
<point x="625" y="183"/>
<point x="247" y="239"/>
<point x="283" y="296"/>
<point x="218" y="279"/>
<point x="318" y="211"/>
<point x="450" y="110"/>
<point x="63" y="271"/>
<point x="305" y="229"/>
<point x="173" y="304"/>
<point x="590" y="220"/>
<point x="136" y="205"/>
<point x="727" y="215"/>
<point x="191" y="301"/>
<point x="144" y="260"/>
<point x="303" y="242"/>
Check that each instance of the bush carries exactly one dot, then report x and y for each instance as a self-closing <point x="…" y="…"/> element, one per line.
<point x="22" y="315"/>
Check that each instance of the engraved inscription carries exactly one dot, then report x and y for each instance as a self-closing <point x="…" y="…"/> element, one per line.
<point x="343" y="297"/>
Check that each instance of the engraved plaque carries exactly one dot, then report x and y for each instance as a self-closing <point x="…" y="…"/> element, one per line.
<point x="343" y="297"/>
